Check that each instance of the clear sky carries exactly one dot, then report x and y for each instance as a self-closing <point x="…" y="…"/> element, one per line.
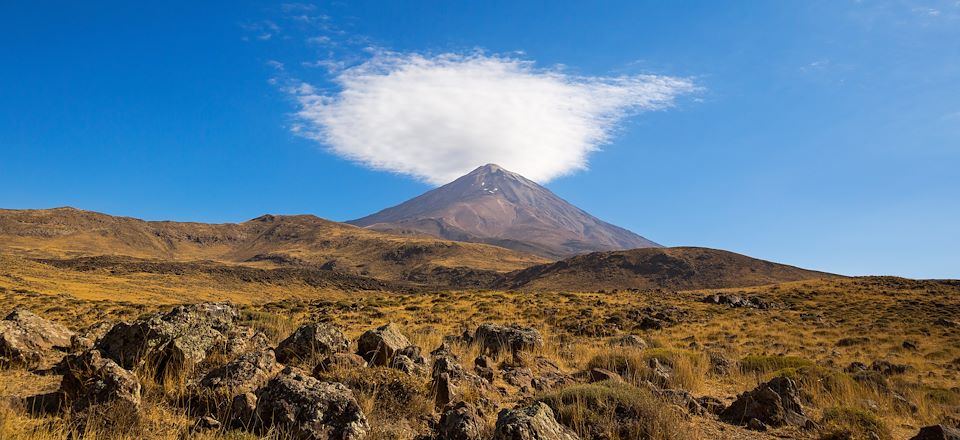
<point x="824" y="134"/>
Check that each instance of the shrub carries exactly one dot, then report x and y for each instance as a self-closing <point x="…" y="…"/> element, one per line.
<point x="615" y="411"/>
<point x="843" y="423"/>
<point x="766" y="364"/>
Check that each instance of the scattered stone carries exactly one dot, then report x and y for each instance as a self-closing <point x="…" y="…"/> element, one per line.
<point x="720" y="364"/>
<point x="495" y="339"/>
<point x="460" y="421"/>
<point x="945" y="323"/>
<point x="27" y="339"/>
<point x="775" y="403"/>
<point x="242" y="340"/>
<point x="910" y="345"/>
<point x="937" y="432"/>
<point x="711" y="405"/>
<point x="535" y="422"/>
<point x="310" y="341"/>
<point x="170" y="342"/>
<point x="206" y="423"/>
<point x="629" y="341"/>
<point x="90" y="379"/>
<point x="887" y="368"/>
<point x="600" y="374"/>
<point x="305" y="408"/>
<point x="737" y="301"/>
<point x="377" y="346"/>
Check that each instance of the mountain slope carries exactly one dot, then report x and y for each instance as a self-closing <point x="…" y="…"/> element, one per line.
<point x="679" y="268"/>
<point x="267" y="241"/>
<point x="495" y="206"/>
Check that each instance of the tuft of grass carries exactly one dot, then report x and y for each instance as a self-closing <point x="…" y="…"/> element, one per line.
<point x="844" y="423"/>
<point x="388" y="391"/>
<point x="766" y="364"/>
<point x="615" y="411"/>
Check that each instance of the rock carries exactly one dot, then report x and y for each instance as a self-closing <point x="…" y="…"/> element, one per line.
<point x="495" y="339"/>
<point x="888" y="368"/>
<point x="720" y="364"/>
<point x="377" y="346"/>
<point x="629" y="341"/>
<point x="737" y="301"/>
<point x="170" y="342"/>
<point x="682" y="399"/>
<point x="756" y="425"/>
<point x="311" y="341"/>
<point x="86" y="338"/>
<point x="444" y="390"/>
<point x="242" y="340"/>
<point x="535" y="422"/>
<point x="339" y="361"/>
<point x="661" y="375"/>
<point x="483" y="366"/>
<point x="305" y="408"/>
<point x="909" y="345"/>
<point x="27" y="339"/>
<point x="206" y="423"/>
<point x="945" y="323"/>
<point x="937" y="432"/>
<point x="90" y="379"/>
<point x="243" y="411"/>
<point x="241" y="375"/>
<point x="711" y="405"/>
<point x="600" y="374"/>
<point x="460" y="421"/>
<point x="775" y="403"/>
<point x="651" y="323"/>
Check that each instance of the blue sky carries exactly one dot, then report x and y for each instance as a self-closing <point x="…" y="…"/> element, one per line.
<point x="824" y="134"/>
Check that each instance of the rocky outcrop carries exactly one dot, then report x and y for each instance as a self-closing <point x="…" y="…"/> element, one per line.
<point x="737" y="301"/>
<point x="937" y="432"/>
<point x="170" y="342"/>
<point x="90" y="379"/>
<point x="27" y="339"/>
<point x="460" y="421"/>
<point x="775" y="403"/>
<point x="311" y="341"/>
<point x="378" y="346"/>
<point x="304" y="408"/>
<point x="494" y="339"/>
<point x="535" y="422"/>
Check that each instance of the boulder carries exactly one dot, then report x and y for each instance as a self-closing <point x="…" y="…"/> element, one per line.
<point x="170" y="342"/>
<point x="937" y="432"/>
<point x="242" y="340"/>
<point x="310" y="341"/>
<point x="241" y="375"/>
<point x="27" y="339"/>
<point x="90" y="379"/>
<point x="84" y="339"/>
<point x="243" y="411"/>
<point x="535" y="422"/>
<point x="775" y="403"/>
<point x="460" y="421"/>
<point x="495" y="339"/>
<point x="304" y="408"/>
<point x="377" y="346"/>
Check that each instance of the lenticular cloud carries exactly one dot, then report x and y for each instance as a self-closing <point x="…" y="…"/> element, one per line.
<point x="437" y="118"/>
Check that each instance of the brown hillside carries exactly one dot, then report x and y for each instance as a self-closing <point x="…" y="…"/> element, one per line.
<point x="679" y="268"/>
<point x="268" y="241"/>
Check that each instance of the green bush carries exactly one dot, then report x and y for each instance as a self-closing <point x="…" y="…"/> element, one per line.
<point x="766" y="364"/>
<point x="843" y="423"/>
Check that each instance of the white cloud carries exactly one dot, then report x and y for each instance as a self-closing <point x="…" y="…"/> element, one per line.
<point x="437" y="118"/>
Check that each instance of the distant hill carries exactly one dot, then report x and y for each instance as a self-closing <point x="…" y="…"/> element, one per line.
<point x="269" y="241"/>
<point x="495" y="206"/>
<point x="679" y="268"/>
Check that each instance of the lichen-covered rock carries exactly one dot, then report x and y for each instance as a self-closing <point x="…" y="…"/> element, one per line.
<point x="90" y="379"/>
<point x="311" y="341"/>
<point x="460" y="421"/>
<point x="241" y="375"/>
<point x="170" y="342"/>
<point x="377" y="346"/>
<point x="26" y="339"/>
<point x="84" y="339"/>
<point x="937" y="432"/>
<point x="495" y="339"/>
<point x="775" y="403"/>
<point x="242" y="340"/>
<point x="535" y="422"/>
<point x="305" y="408"/>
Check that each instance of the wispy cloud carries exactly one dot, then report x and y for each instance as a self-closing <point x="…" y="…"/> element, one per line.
<point x="438" y="117"/>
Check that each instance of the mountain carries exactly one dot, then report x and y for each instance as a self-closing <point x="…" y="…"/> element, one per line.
<point x="270" y="241"/>
<point x="678" y="268"/>
<point x="495" y="206"/>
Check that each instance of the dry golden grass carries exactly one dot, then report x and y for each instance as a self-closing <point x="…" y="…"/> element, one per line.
<point x="802" y="340"/>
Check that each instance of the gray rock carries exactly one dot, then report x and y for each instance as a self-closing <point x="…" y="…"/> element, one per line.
<point x="90" y="379"/>
<point x="494" y="339"/>
<point x="27" y="339"/>
<point x="937" y="432"/>
<point x="629" y="341"/>
<point x="311" y="341"/>
<point x="304" y="408"/>
<point x="241" y="375"/>
<point x="535" y="422"/>
<point x="377" y="346"/>
<point x="775" y="403"/>
<point x="460" y="421"/>
<point x="243" y="411"/>
<point x="171" y="342"/>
